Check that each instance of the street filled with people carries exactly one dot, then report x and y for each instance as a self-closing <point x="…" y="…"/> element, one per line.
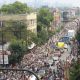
<point x="37" y="60"/>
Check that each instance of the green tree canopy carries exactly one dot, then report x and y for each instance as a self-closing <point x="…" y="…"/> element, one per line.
<point x="43" y="35"/>
<point x="18" y="50"/>
<point x="43" y="18"/>
<point x="18" y="30"/>
<point x="51" y="33"/>
<point x="78" y="35"/>
<point x="15" y="8"/>
<point x="12" y="30"/>
<point x="74" y="72"/>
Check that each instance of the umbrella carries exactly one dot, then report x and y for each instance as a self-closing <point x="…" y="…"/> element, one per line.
<point x="39" y="76"/>
<point x="32" y="77"/>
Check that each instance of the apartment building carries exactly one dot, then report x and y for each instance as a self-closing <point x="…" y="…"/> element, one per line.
<point x="29" y="19"/>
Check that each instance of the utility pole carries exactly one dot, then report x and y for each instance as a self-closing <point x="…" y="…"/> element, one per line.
<point x="66" y="70"/>
<point x="2" y="44"/>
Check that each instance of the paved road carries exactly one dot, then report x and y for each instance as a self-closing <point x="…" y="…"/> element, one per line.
<point x="63" y="57"/>
<point x="65" y="54"/>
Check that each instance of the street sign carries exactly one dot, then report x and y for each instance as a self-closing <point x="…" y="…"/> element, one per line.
<point x="5" y="59"/>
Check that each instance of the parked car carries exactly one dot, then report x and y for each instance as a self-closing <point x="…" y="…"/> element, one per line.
<point x="57" y="49"/>
<point x="65" y="46"/>
<point x="61" y="49"/>
<point x="42" y="72"/>
<point x="56" y="57"/>
<point x="57" y="53"/>
<point x="50" y="62"/>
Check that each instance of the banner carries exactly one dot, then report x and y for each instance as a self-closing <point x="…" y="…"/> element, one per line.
<point x="5" y="59"/>
<point x="57" y="15"/>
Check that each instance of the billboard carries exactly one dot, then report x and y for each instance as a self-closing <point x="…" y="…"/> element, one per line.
<point x="65" y="16"/>
<point x="73" y="8"/>
<point x="57" y="15"/>
<point x="5" y="59"/>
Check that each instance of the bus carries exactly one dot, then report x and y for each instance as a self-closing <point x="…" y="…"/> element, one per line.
<point x="65" y="39"/>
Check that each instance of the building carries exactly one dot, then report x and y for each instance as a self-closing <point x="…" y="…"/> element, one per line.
<point x="29" y="19"/>
<point x="65" y="16"/>
<point x="52" y="12"/>
<point x="57" y="20"/>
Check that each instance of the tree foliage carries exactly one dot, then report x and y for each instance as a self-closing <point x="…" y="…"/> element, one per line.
<point x="18" y="50"/>
<point x="78" y="36"/>
<point x="74" y="17"/>
<point x="43" y="18"/>
<point x="18" y="30"/>
<point x="12" y="30"/>
<point x="74" y="72"/>
<point x="51" y="33"/>
<point x="15" y="8"/>
<point x="43" y="35"/>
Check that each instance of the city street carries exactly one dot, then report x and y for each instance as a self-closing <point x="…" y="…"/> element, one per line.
<point x="39" y="40"/>
<point x="63" y="57"/>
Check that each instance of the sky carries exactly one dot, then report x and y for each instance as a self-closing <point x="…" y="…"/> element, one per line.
<point x="75" y="3"/>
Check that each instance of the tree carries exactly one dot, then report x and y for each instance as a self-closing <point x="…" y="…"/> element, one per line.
<point x="43" y="35"/>
<point x="43" y="18"/>
<point x="74" y="72"/>
<point x="74" y="17"/>
<point x="36" y="40"/>
<point x="78" y="35"/>
<point x="18" y="30"/>
<point x="18" y="50"/>
<point x="12" y="30"/>
<point x="51" y="33"/>
<point x="15" y="8"/>
<point x="32" y="9"/>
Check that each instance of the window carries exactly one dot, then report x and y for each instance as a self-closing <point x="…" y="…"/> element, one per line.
<point x="3" y="23"/>
<point x="35" y="21"/>
<point x="28" y="22"/>
<point x="34" y="30"/>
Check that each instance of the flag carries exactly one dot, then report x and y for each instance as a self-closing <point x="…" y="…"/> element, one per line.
<point x="8" y="52"/>
<point x="51" y="50"/>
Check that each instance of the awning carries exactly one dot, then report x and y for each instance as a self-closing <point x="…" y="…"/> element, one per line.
<point x="32" y="46"/>
<point x="8" y="52"/>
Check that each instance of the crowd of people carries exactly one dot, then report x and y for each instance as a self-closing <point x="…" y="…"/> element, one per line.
<point x="37" y="60"/>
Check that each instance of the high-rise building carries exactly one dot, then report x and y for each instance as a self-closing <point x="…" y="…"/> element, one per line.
<point x="69" y="4"/>
<point x="38" y="3"/>
<point x="57" y="4"/>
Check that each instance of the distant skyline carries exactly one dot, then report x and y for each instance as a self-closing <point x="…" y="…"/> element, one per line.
<point x="37" y="3"/>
